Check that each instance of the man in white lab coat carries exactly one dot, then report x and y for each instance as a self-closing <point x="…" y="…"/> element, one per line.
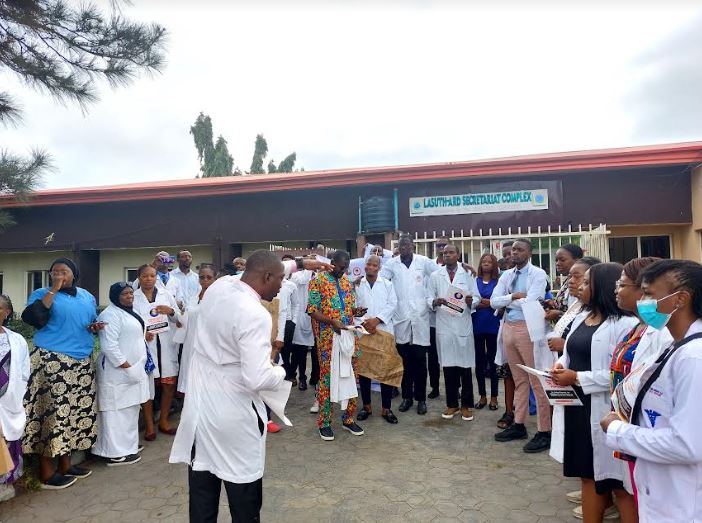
<point x="524" y="282"/>
<point x="454" y="330"/>
<point x="287" y="298"/>
<point x="377" y="295"/>
<point x="222" y="434"/>
<point x="408" y="273"/>
<point x="188" y="280"/>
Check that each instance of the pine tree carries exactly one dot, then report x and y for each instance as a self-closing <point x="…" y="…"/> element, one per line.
<point x="288" y="164"/>
<point x="63" y="50"/>
<point x="260" y="152"/>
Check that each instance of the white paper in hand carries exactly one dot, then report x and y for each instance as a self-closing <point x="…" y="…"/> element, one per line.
<point x="277" y="400"/>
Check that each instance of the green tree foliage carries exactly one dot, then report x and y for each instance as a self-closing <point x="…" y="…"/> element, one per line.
<point x="63" y="50"/>
<point x="223" y="162"/>
<point x="288" y="164"/>
<point x="260" y="153"/>
<point x="215" y="159"/>
<point x="271" y="167"/>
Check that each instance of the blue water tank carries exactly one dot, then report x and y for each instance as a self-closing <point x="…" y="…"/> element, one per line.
<point x="377" y="215"/>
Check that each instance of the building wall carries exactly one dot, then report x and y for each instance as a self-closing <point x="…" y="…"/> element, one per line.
<point x="14" y="268"/>
<point x="693" y="236"/>
<point x="678" y="235"/>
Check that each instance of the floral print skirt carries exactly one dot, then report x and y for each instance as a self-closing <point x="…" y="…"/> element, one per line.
<point x="60" y="404"/>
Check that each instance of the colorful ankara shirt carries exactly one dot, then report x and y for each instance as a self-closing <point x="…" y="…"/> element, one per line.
<point x="335" y="299"/>
<point x="623" y="355"/>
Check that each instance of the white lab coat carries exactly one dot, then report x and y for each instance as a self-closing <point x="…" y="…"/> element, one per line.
<point x="342" y="381"/>
<point x="667" y="444"/>
<point x="596" y="383"/>
<point x="167" y="364"/>
<point x="12" y="413"/>
<point x="380" y="300"/>
<point x="303" y="334"/>
<point x="121" y="341"/>
<point x="189" y="285"/>
<point x="189" y="326"/>
<point x="412" y="314"/>
<point x="287" y="297"/>
<point x="502" y="298"/>
<point x="224" y="415"/>
<point x="455" y="344"/>
<point x="120" y="392"/>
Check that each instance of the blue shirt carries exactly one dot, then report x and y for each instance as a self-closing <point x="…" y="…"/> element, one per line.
<point x="519" y="284"/>
<point x="69" y="317"/>
<point x="484" y="320"/>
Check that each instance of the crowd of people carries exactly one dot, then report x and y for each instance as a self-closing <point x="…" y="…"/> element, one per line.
<point x="626" y="338"/>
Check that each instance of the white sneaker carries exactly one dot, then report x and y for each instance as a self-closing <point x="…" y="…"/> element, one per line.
<point x="575" y="497"/>
<point x="610" y="513"/>
<point x="314" y="409"/>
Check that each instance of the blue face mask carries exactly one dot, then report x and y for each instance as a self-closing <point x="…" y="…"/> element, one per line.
<point x="650" y="315"/>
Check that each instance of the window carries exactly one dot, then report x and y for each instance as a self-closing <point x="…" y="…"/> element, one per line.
<point x="627" y="248"/>
<point x="36" y="280"/>
<point x="1" y="282"/>
<point x="130" y="274"/>
<point x="658" y="246"/>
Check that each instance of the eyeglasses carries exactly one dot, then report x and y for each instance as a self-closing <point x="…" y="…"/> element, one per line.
<point x="619" y="284"/>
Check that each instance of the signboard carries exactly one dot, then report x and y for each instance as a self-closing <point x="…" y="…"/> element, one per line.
<point x="479" y="203"/>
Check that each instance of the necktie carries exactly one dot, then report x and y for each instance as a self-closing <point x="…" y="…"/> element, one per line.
<point x="514" y="281"/>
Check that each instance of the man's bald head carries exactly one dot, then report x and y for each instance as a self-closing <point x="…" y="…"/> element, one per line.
<point x="264" y="273"/>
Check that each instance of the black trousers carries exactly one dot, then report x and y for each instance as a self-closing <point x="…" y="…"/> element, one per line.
<point x="455" y="377"/>
<point x="385" y="392"/>
<point x="314" y="375"/>
<point x="434" y="367"/>
<point x="299" y="361"/>
<point x="287" y="353"/>
<point x="414" y="380"/>
<point x="485" y="351"/>
<point x="245" y="499"/>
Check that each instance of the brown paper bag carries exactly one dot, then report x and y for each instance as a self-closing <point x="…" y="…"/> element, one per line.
<point x="273" y="307"/>
<point x="379" y="359"/>
<point x="6" y="464"/>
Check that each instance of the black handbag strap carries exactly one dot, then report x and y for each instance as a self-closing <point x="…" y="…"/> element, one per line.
<point x="662" y="360"/>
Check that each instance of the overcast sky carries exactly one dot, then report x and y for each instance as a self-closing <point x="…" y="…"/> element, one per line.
<point x="358" y="83"/>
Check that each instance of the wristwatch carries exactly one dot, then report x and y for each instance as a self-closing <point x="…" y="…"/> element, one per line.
<point x="299" y="261"/>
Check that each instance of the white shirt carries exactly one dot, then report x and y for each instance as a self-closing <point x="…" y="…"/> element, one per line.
<point x="410" y="284"/>
<point x="668" y="443"/>
<point x="224" y="415"/>
<point x="303" y="334"/>
<point x="189" y="284"/>
<point x="286" y="297"/>
<point x="12" y="413"/>
<point x="380" y="300"/>
<point x="535" y="288"/>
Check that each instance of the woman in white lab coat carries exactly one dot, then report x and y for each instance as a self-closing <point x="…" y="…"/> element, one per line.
<point x="14" y="373"/>
<point x="207" y="274"/>
<point x="454" y="332"/>
<point x="664" y="425"/>
<point x="153" y="304"/>
<point x="122" y="382"/>
<point x="585" y="365"/>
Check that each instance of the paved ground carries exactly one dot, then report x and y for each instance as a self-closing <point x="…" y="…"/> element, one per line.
<point x="423" y="469"/>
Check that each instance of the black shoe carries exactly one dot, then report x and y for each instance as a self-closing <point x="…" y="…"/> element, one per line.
<point x="421" y="407"/>
<point x="78" y="472"/>
<point x="433" y="394"/>
<point x="540" y="442"/>
<point x="406" y="405"/>
<point x="354" y="429"/>
<point x="302" y="385"/>
<point x="390" y="417"/>
<point x="326" y="433"/>
<point x="124" y="460"/>
<point x="515" y="431"/>
<point x="363" y="415"/>
<point x="58" y="482"/>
